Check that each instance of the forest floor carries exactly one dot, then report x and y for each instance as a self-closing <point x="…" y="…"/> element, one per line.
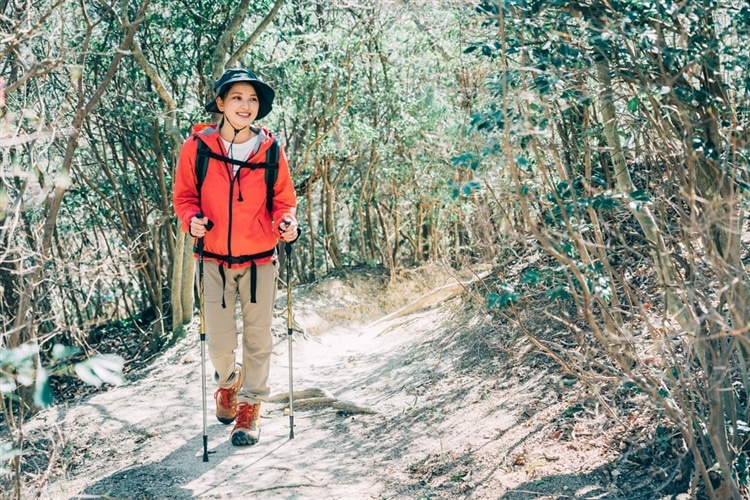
<point x="421" y="394"/>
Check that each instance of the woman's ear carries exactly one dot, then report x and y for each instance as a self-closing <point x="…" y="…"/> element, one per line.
<point x="220" y="104"/>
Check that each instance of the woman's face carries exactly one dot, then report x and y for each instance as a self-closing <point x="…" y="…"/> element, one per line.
<point x="240" y="104"/>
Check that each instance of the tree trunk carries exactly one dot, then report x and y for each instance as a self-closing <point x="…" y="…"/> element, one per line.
<point x="643" y="215"/>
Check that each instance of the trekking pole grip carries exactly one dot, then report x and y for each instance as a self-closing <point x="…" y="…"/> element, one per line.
<point x="209" y="224"/>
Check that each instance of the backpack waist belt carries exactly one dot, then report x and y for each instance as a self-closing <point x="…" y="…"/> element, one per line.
<point x="242" y="259"/>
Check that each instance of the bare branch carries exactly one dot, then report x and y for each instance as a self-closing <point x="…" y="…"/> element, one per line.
<point x="7" y="142"/>
<point x="222" y="47"/>
<point x="255" y="35"/>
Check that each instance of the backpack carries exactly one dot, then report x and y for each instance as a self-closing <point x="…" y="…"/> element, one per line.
<point x="271" y="165"/>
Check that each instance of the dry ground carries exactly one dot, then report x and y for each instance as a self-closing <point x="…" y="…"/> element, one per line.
<point x="461" y="407"/>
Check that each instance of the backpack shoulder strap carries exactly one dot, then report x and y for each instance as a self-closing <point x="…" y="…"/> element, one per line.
<point x="201" y="163"/>
<point x="272" y="170"/>
<point x="271" y="166"/>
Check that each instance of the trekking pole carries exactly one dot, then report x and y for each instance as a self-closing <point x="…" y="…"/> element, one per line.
<point x="289" y="329"/>
<point x="203" y="339"/>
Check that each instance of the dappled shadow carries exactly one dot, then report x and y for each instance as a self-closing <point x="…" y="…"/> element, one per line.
<point x="465" y="409"/>
<point x="144" y="482"/>
<point x="154" y="480"/>
<point x="635" y="484"/>
<point x="418" y="394"/>
<point x="412" y="450"/>
<point x="171" y="476"/>
<point x="564" y="486"/>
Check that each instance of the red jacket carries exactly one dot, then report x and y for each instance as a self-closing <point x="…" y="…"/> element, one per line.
<point x="236" y="205"/>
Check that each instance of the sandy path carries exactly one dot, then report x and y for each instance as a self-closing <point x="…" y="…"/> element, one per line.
<point x="447" y="425"/>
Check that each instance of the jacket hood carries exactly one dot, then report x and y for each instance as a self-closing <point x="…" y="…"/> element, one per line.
<point x="209" y="129"/>
<point x="203" y="128"/>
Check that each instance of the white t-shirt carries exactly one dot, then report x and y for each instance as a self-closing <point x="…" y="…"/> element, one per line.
<point x="241" y="151"/>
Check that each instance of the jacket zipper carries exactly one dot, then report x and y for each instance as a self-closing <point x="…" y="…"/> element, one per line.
<point x="232" y="178"/>
<point x="229" y="228"/>
<point x="230" y="174"/>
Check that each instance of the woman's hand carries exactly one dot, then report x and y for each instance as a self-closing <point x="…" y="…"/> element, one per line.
<point x="288" y="228"/>
<point x="199" y="226"/>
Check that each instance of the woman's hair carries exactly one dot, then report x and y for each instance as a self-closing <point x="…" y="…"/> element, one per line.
<point x="224" y="92"/>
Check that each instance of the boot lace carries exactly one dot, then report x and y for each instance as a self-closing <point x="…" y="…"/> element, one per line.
<point x="225" y="397"/>
<point x="245" y="416"/>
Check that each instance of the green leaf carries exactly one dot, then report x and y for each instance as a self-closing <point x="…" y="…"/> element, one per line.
<point x="7" y="451"/>
<point x="61" y="352"/>
<point x="633" y="104"/>
<point x="500" y="300"/>
<point x="19" y="355"/>
<point x="598" y="180"/>
<point x="572" y="411"/>
<point x="462" y="159"/>
<point x="459" y="477"/>
<point x="487" y="51"/>
<point x="100" y="369"/>
<point x="558" y="293"/>
<point x="454" y="187"/>
<point x="7" y="384"/>
<point x="87" y="375"/>
<point x="42" y="391"/>
<point x="605" y="202"/>
<point x="631" y="388"/>
<point x="108" y="367"/>
<point x="639" y="195"/>
<point x="531" y="277"/>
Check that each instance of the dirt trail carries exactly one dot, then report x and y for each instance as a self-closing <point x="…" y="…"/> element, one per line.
<point x="454" y="418"/>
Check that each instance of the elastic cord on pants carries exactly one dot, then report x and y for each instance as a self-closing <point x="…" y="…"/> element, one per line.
<point x="223" y="284"/>
<point x="253" y="283"/>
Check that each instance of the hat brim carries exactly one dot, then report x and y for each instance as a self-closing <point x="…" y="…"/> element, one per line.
<point x="264" y="91"/>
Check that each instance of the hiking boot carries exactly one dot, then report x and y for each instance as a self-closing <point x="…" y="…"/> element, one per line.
<point x="246" y="430"/>
<point x="226" y="399"/>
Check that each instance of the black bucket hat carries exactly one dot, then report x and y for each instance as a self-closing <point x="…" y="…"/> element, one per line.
<point x="231" y="76"/>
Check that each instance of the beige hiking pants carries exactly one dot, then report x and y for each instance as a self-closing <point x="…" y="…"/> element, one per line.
<point x="222" y="331"/>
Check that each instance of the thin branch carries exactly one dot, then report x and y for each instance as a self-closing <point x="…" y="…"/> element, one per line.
<point x="222" y="46"/>
<point x="255" y="34"/>
<point x="17" y="140"/>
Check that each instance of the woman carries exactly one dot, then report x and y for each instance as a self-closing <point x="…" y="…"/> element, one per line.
<point x="221" y="196"/>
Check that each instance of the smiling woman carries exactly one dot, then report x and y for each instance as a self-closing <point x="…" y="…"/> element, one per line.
<point x="237" y="217"/>
<point x="264" y="93"/>
<point x="241" y="103"/>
